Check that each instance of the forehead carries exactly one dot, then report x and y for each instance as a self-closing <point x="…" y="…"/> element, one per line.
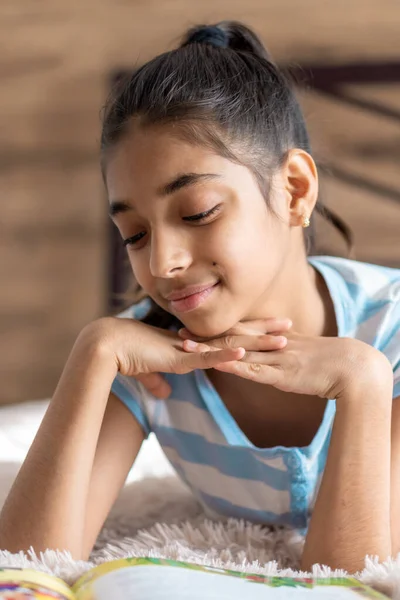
<point x="145" y="159"/>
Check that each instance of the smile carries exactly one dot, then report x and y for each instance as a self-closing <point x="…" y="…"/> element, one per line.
<point x="193" y="301"/>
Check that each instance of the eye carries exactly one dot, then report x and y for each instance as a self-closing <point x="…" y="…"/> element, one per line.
<point x="202" y="216"/>
<point x="134" y="239"/>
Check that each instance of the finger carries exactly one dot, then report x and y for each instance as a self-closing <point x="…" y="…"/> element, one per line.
<point x="191" y="346"/>
<point x="155" y="384"/>
<point x="256" y="343"/>
<point x="266" y="374"/>
<point x="274" y="359"/>
<point x="209" y="358"/>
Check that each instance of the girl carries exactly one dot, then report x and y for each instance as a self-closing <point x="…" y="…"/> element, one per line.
<point x="279" y="369"/>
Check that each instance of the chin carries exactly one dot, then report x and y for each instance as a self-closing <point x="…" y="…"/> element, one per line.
<point x="209" y="327"/>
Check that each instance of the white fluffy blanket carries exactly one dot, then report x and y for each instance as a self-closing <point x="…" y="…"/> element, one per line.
<point x="156" y="515"/>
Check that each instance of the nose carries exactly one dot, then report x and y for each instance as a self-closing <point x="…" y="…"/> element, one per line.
<point x="169" y="254"/>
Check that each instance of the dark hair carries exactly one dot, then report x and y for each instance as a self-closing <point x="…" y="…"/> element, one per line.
<point x="223" y="90"/>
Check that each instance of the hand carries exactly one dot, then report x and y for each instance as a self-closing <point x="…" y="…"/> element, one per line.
<point x="160" y="388"/>
<point x="316" y="366"/>
<point x="157" y="385"/>
<point x="141" y="351"/>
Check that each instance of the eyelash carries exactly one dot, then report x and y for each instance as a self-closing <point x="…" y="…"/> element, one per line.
<point x="199" y="217"/>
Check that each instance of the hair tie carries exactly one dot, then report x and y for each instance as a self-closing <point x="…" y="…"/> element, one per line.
<point x="210" y="34"/>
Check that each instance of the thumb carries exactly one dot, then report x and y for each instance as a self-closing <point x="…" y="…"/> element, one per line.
<point x="155" y="384"/>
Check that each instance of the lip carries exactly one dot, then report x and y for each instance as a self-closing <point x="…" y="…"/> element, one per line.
<point x="193" y="301"/>
<point x="188" y="291"/>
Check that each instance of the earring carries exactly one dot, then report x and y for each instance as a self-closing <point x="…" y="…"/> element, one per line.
<point x="306" y="222"/>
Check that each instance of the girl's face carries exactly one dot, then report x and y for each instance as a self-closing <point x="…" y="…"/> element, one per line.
<point x="196" y="220"/>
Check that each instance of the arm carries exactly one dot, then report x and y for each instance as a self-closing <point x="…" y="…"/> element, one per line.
<point x="62" y="492"/>
<point x="395" y="477"/>
<point x="47" y="506"/>
<point x="119" y="443"/>
<point x="352" y="512"/>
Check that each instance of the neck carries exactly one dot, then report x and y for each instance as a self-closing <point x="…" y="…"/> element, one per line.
<point x="300" y="293"/>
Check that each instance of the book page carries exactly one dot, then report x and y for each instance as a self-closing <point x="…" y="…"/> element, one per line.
<point x="169" y="583"/>
<point x="192" y="582"/>
<point x="28" y="584"/>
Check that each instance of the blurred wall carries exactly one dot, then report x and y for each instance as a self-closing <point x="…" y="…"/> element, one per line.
<point x="55" y="62"/>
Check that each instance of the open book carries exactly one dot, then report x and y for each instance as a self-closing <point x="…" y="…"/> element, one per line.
<point x="159" y="579"/>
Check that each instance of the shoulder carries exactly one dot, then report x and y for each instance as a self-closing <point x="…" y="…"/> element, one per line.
<point x="363" y="278"/>
<point x="372" y="297"/>
<point x="367" y="294"/>
<point x="363" y="287"/>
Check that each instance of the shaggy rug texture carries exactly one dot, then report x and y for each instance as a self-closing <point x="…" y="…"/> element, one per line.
<point x="156" y="515"/>
<point x="159" y="517"/>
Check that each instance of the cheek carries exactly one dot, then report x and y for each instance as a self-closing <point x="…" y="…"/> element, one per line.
<point x="139" y="265"/>
<point x="241" y="248"/>
<point x="251" y="257"/>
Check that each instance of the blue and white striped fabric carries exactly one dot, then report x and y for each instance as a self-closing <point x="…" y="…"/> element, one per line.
<point x="226" y="472"/>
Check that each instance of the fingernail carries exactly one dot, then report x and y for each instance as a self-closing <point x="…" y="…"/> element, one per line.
<point x="181" y="331"/>
<point x="281" y="339"/>
<point x="191" y="345"/>
<point x="286" y="319"/>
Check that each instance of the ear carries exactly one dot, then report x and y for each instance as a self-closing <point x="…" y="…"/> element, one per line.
<point x="300" y="180"/>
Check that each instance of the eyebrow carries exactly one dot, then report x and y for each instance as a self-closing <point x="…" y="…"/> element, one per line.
<point x="182" y="181"/>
